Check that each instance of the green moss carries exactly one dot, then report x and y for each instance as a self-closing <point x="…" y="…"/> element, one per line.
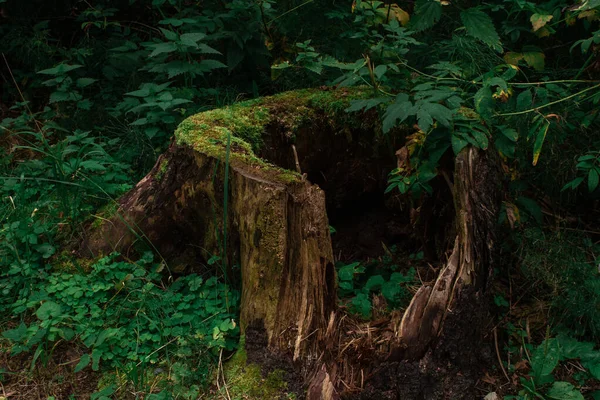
<point x="65" y="262"/>
<point x="162" y="169"/>
<point x="244" y="124"/>
<point x="246" y="381"/>
<point x="105" y="213"/>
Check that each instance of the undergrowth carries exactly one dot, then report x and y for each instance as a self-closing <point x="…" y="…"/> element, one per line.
<point x="92" y="92"/>
<point x="564" y="267"/>
<point x="128" y="319"/>
<point x="359" y="283"/>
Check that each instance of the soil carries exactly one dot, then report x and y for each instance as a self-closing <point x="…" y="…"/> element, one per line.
<point x="258" y="353"/>
<point x="451" y="370"/>
<point x="52" y="377"/>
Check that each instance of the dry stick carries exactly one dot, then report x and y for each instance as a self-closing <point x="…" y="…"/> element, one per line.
<point x="296" y="160"/>
<point x="222" y="374"/>
<point x="498" y="354"/>
<point x="21" y="93"/>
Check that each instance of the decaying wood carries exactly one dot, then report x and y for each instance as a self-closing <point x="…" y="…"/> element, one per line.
<point x="475" y="191"/>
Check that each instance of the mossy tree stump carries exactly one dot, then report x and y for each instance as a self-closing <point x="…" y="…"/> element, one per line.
<point x="231" y="184"/>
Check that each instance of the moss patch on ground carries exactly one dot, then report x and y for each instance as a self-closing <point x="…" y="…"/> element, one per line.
<point x="246" y="381"/>
<point x="237" y="132"/>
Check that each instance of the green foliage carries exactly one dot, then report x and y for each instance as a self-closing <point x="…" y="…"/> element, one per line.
<point x="427" y="14"/>
<point x="127" y="318"/>
<point x="358" y="286"/>
<point x="473" y="97"/>
<point x="588" y="165"/>
<point x="545" y="359"/>
<point x="566" y="264"/>
<point x="479" y="25"/>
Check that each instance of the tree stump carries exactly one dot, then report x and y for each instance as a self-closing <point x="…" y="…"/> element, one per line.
<point x="241" y="183"/>
<point x="228" y="186"/>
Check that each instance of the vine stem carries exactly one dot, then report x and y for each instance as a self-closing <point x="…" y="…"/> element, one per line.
<point x="548" y="104"/>
<point x="289" y="11"/>
<point x="511" y="83"/>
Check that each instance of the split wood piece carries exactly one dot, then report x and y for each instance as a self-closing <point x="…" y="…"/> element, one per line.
<point x="469" y="264"/>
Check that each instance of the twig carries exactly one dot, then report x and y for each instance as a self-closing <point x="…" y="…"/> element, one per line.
<point x="498" y="354"/>
<point x="223" y="375"/>
<point x="296" y="160"/>
<point x="548" y="104"/>
<point x="289" y="11"/>
<point x="157" y="350"/>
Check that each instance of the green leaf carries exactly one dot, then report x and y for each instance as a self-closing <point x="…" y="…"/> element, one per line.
<point x="479" y="25"/>
<point x="427" y="14"/>
<point x="481" y="138"/>
<point x="83" y="82"/>
<point x="391" y="290"/>
<point x="84" y="361"/>
<point x="564" y="391"/>
<point x="104" y="393"/>
<point x="544" y="359"/>
<point x="593" y="178"/>
<point x="46" y="249"/>
<point x="573" y="184"/>
<point x="206" y="49"/>
<point x="58" y="96"/>
<point x="190" y="39"/>
<point x="161" y="48"/>
<point x="92" y="165"/>
<point x="85" y="104"/>
<point x="424" y="119"/>
<point x="524" y="100"/>
<point x="17" y="334"/>
<point x="572" y="348"/>
<point x="593" y="366"/>
<point x="374" y="283"/>
<point x="209" y="65"/>
<point x="401" y="109"/>
<point x="48" y="310"/>
<point x="60" y="69"/>
<point x="367" y="104"/>
<point x="509" y="133"/>
<point x="458" y="143"/>
<point x="315" y="67"/>
<point x="379" y="71"/>
<point x="539" y="141"/>
<point x="226" y="325"/>
<point x="440" y="113"/>
<point x="170" y="35"/>
<point x="361" y="304"/>
<point x="96" y="354"/>
<point x="484" y="103"/>
<point x="346" y="273"/>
